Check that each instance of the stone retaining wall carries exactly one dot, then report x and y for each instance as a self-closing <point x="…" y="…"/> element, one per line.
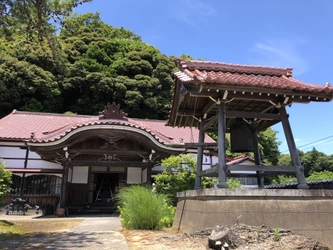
<point x="308" y="212"/>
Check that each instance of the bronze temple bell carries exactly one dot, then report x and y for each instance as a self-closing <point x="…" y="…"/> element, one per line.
<point x="241" y="137"/>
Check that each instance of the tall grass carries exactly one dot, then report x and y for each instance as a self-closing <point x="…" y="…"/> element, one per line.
<point x="140" y="208"/>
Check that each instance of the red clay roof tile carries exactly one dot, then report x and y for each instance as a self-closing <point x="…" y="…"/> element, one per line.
<point x="244" y="75"/>
<point x="47" y="127"/>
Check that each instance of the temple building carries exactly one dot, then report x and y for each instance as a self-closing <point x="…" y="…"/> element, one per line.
<point x="59" y="160"/>
<point x="241" y="100"/>
<point x="95" y="155"/>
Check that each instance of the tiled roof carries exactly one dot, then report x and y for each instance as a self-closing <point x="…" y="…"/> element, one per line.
<point x="239" y="159"/>
<point x="319" y="184"/>
<point x="47" y="127"/>
<point x="257" y="90"/>
<point x="247" y="76"/>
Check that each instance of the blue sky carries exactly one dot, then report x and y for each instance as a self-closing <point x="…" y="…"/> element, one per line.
<point x="282" y="33"/>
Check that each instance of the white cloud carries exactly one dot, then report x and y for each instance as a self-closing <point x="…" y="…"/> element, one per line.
<point x="192" y="11"/>
<point x="280" y="53"/>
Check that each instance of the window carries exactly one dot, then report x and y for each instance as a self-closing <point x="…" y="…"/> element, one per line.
<point x="37" y="185"/>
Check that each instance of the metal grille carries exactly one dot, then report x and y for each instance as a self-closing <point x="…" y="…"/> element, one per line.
<point x="36" y="185"/>
<point x="117" y="169"/>
<point x="108" y="169"/>
<point x="99" y="169"/>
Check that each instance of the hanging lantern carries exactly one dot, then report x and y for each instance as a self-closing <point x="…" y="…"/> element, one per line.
<point x="241" y="137"/>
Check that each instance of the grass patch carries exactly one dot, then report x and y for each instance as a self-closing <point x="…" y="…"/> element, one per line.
<point x="20" y="228"/>
<point x="8" y="230"/>
<point x="140" y="208"/>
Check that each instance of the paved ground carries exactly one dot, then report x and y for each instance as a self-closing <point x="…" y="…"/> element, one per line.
<point x="94" y="232"/>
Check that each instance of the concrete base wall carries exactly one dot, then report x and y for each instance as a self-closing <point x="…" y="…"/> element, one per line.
<point x="308" y="212"/>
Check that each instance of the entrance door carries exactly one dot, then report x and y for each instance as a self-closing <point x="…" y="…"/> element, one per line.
<point x="105" y="187"/>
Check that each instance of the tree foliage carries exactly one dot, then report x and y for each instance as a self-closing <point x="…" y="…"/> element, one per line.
<point x="95" y="63"/>
<point x="179" y="175"/>
<point x="5" y="181"/>
<point x="269" y="146"/>
<point x="33" y="18"/>
<point x="323" y="175"/>
<point x="315" y="161"/>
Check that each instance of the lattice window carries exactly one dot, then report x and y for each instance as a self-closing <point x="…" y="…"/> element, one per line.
<point x="16" y="185"/>
<point x="42" y="185"/>
<point x="36" y="185"/>
<point x="117" y="169"/>
<point x="99" y="169"/>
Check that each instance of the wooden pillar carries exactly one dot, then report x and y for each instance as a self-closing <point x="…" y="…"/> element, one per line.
<point x="256" y="152"/>
<point x="197" y="184"/>
<point x="222" y="162"/>
<point x="293" y="150"/>
<point x="64" y="184"/>
<point x="23" y="176"/>
<point x="149" y="168"/>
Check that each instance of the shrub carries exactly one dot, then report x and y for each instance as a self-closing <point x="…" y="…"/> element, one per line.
<point x="141" y="208"/>
<point x="5" y="181"/>
<point x="179" y="175"/>
<point x="234" y="183"/>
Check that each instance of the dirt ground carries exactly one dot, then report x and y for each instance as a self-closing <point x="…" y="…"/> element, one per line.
<point x="241" y="237"/>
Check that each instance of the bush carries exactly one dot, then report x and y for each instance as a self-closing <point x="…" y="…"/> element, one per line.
<point x="178" y="176"/>
<point x="141" y="208"/>
<point x="5" y="181"/>
<point x="234" y="183"/>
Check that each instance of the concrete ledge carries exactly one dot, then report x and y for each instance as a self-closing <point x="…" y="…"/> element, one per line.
<point x="309" y="212"/>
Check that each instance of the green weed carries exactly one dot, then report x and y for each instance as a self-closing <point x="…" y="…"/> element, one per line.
<point x="140" y="208"/>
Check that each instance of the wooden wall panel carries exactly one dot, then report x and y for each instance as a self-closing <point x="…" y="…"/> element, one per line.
<point x="78" y="194"/>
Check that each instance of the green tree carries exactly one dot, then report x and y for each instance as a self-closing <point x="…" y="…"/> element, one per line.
<point x="284" y="160"/>
<point x="269" y="146"/>
<point x="315" y="161"/>
<point x="94" y="64"/>
<point x="323" y="175"/>
<point x="5" y="181"/>
<point x="26" y="86"/>
<point x="33" y="17"/>
<point x="107" y="64"/>
<point x="179" y="175"/>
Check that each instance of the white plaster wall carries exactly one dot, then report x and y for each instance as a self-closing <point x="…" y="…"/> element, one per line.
<point x="133" y="175"/>
<point x="144" y="176"/>
<point x="70" y="175"/>
<point x="80" y="175"/>
<point x="34" y="160"/>
<point x="12" y="152"/>
<point x="42" y="164"/>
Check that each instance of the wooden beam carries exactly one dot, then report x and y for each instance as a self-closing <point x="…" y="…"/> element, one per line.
<point x="234" y="114"/>
<point x="197" y="184"/>
<point x="200" y="144"/>
<point x="284" y="169"/>
<point x="209" y="171"/>
<point x="64" y="184"/>
<point x="107" y="152"/>
<point x="208" y="108"/>
<point x="244" y="114"/>
<point x="264" y="92"/>
<point x="210" y="122"/>
<point x="252" y="168"/>
<point x="293" y="150"/>
<point x="109" y="163"/>
<point x="222" y="157"/>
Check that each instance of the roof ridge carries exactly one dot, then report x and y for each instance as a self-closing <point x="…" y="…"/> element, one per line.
<point x="50" y="114"/>
<point x="237" y="68"/>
